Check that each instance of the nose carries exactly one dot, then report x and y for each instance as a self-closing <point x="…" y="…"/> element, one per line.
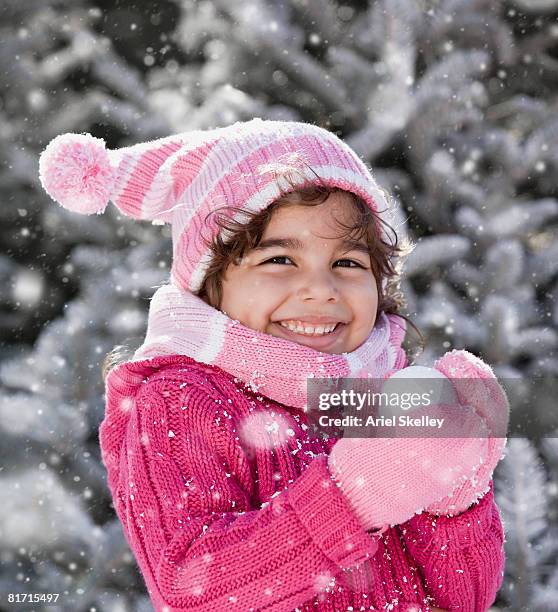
<point x="318" y="286"/>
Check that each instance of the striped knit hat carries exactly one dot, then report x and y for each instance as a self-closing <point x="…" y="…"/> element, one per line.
<point x="179" y="179"/>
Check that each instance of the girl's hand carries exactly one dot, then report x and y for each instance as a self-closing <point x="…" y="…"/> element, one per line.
<point x="389" y="479"/>
<point x="476" y="386"/>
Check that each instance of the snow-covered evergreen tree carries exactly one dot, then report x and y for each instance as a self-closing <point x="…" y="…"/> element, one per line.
<point x="451" y="102"/>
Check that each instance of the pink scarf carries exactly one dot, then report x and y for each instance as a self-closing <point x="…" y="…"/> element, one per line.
<point x="181" y="323"/>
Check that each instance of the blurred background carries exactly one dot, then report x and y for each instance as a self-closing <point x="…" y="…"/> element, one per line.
<point x="452" y="103"/>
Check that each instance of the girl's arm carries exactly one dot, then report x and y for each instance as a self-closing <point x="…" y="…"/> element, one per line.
<point x="182" y="488"/>
<point x="462" y="557"/>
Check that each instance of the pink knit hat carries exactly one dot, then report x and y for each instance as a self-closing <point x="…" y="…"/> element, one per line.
<point x="179" y="179"/>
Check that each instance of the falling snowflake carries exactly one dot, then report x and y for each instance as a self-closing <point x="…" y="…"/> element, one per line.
<point x="126" y="404"/>
<point x="261" y="430"/>
<point x="323" y="581"/>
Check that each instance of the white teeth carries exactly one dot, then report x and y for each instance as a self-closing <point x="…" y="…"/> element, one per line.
<point x="309" y="330"/>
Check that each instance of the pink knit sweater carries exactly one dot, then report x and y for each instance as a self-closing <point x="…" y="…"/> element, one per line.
<point x="220" y="520"/>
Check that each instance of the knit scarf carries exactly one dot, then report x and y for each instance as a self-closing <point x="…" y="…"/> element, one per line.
<point x="181" y="323"/>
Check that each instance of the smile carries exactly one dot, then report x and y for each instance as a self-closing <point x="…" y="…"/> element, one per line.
<point x="306" y="329"/>
<point x="314" y="338"/>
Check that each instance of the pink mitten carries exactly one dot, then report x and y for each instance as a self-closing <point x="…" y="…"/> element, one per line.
<point x="476" y="386"/>
<point x="388" y="480"/>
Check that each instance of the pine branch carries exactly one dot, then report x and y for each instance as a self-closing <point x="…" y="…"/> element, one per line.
<point x="436" y="251"/>
<point x="521" y="496"/>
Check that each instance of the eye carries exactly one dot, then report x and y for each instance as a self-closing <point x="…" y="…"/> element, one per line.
<point x="274" y="258"/>
<point x="351" y="261"/>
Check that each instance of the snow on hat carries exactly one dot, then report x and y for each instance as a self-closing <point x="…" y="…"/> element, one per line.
<point x="181" y="178"/>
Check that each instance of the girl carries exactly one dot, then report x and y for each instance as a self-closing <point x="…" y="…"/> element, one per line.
<point x="226" y="498"/>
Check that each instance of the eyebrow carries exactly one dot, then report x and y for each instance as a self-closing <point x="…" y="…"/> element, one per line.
<point x="296" y="244"/>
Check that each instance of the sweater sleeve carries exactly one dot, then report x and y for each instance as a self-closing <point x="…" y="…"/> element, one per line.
<point x="184" y="494"/>
<point x="461" y="557"/>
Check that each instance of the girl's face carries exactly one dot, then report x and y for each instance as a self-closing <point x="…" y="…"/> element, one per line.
<point x="304" y="276"/>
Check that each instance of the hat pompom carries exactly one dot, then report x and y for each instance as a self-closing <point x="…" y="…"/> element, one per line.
<point x="75" y="171"/>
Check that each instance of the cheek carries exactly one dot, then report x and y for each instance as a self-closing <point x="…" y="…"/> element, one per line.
<point x="260" y="297"/>
<point x="365" y="303"/>
<point x="365" y="290"/>
<point x="267" y="289"/>
<point x="253" y="301"/>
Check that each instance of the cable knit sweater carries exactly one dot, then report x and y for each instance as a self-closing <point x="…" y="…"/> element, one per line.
<point x="220" y="517"/>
